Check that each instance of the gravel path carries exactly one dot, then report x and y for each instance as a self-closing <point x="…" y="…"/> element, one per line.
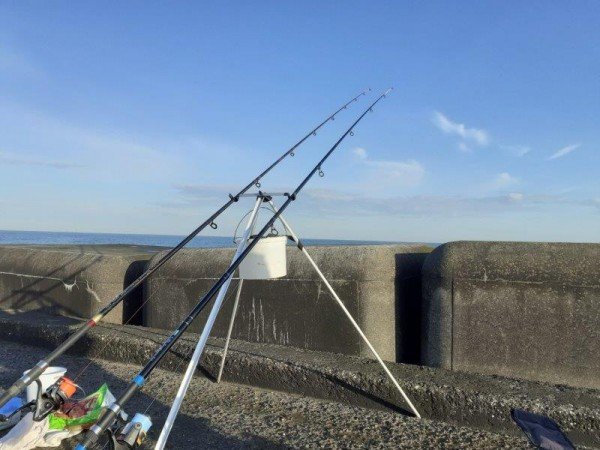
<point x="230" y="416"/>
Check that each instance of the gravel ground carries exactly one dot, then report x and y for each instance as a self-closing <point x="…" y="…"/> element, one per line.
<point x="226" y="415"/>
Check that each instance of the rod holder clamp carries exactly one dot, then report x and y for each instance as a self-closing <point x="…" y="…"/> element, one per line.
<point x="265" y="197"/>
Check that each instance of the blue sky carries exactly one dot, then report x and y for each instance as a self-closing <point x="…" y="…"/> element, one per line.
<point x="140" y="117"/>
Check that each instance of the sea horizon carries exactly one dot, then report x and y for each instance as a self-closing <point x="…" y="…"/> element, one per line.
<point x="16" y="237"/>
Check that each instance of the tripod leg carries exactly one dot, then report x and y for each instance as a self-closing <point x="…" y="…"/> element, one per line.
<point x="231" y="321"/>
<point x="349" y="316"/>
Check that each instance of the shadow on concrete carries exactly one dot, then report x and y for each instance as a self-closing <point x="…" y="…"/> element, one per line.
<point x="38" y="294"/>
<point x="133" y="312"/>
<point x="408" y="307"/>
<point x="188" y="432"/>
<point x="342" y="387"/>
<point x="30" y="293"/>
<point x="179" y="356"/>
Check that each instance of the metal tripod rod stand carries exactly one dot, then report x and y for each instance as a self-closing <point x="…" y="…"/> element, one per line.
<point x="341" y="305"/>
<point x="189" y="373"/>
<point x="230" y="329"/>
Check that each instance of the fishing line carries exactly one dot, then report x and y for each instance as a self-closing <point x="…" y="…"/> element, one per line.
<point x="189" y="354"/>
<point x="183" y="359"/>
<point x="108" y="417"/>
<point x="80" y="373"/>
<point x="34" y="373"/>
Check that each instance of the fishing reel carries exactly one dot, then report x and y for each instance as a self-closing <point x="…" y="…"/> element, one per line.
<point x="46" y="402"/>
<point x="54" y="397"/>
<point x="129" y="435"/>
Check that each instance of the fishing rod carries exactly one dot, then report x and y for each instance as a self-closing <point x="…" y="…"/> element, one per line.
<point x="109" y="416"/>
<point x="34" y="373"/>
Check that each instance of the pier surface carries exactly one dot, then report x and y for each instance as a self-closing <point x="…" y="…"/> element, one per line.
<point x="470" y="330"/>
<point x="229" y="415"/>
<point x="297" y="398"/>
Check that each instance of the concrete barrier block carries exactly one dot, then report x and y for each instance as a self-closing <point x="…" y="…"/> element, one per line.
<point x="528" y="310"/>
<point x="70" y="280"/>
<point x="377" y="284"/>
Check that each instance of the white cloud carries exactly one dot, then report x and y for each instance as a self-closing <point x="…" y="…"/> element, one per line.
<point x="360" y="153"/>
<point x="517" y="150"/>
<point x="345" y="203"/>
<point x="475" y="135"/>
<point x="516" y="196"/>
<point x="564" y="151"/>
<point x="503" y="180"/>
<point x="11" y="158"/>
<point x="348" y="204"/>
<point x="101" y="154"/>
<point x="406" y="173"/>
<point x="383" y="173"/>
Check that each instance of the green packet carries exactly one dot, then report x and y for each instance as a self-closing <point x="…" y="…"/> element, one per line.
<point x="83" y="412"/>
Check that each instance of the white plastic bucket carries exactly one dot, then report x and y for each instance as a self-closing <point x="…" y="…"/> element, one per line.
<point x="266" y="260"/>
<point x="50" y="376"/>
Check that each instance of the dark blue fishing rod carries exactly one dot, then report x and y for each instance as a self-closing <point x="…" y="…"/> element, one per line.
<point x="34" y="373"/>
<point x="110" y="415"/>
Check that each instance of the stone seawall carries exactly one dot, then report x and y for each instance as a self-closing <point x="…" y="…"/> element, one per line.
<point x="527" y="310"/>
<point x="71" y="280"/>
<point x="379" y="284"/>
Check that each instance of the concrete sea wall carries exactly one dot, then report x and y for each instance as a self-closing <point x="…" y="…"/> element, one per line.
<point x="527" y="310"/>
<point x="524" y="310"/>
<point x="380" y="285"/>
<point x="70" y="280"/>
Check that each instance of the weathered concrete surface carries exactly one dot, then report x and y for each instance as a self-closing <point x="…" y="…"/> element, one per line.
<point x="462" y="399"/>
<point x="226" y="415"/>
<point x="73" y="280"/>
<point x="380" y="285"/>
<point x="528" y="310"/>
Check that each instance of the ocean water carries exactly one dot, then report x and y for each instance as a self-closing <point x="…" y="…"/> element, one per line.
<point x="66" y="238"/>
